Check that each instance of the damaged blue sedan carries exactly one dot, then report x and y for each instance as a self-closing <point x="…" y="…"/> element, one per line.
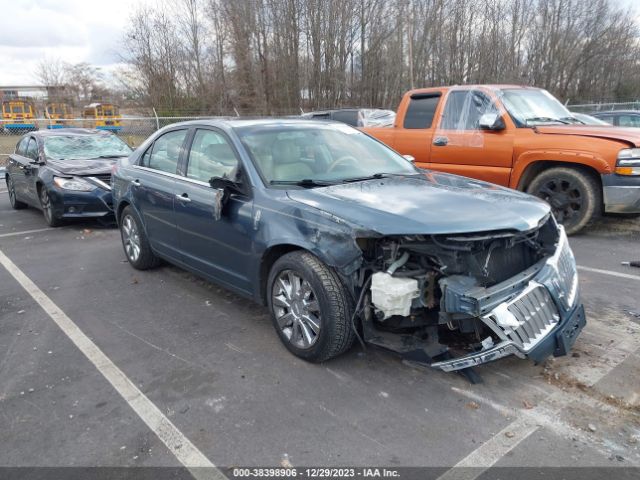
<point x="343" y="238"/>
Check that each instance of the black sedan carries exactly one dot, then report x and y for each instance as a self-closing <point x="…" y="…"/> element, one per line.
<point x="65" y="173"/>
<point x="343" y="237"/>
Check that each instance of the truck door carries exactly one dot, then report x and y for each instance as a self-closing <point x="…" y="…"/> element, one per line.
<point x="459" y="146"/>
<point x="417" y="127"/>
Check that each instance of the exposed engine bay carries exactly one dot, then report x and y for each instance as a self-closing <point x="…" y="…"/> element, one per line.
<point x="436" y="297"/>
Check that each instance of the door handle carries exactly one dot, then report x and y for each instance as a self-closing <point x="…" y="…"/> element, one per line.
<point x="136" y="183"/>
<point x="440" y="141"/>
<point x="183" y="198"/>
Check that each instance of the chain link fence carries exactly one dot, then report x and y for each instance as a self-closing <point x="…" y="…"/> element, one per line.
<point x="133" y="130"/>
<point x="604" y="106"/>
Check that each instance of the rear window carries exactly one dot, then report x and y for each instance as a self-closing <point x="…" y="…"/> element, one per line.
<point x="350" y="117"/>
<point x="421" y="110"/>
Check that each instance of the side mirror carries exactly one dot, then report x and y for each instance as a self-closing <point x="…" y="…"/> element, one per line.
<point x="225" y="187"/>
<point x="221" y="183"/>
<point x="491" y="121"/>
<point x="410" y="158"/>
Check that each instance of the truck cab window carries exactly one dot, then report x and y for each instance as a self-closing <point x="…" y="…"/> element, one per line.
<point x="464" y="109"/>
<point x="421" y="111"/>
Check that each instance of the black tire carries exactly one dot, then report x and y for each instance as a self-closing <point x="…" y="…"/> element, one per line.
<point x="575" y="196"/>
<point x="335" y="306"/>
<point x="47" y="208"/>
<point x="145" y="258"/>
<point x="15" y="203"/>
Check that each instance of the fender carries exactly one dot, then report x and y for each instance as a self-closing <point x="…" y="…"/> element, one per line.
<point x="526" y="159"/>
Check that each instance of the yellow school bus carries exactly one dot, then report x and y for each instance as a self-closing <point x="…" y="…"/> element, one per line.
<point x="58" y="114"/>
<point x="102" y="116"/>
<point x="18" y="115"/>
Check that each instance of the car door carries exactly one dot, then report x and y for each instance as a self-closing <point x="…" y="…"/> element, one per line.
<point x="214" y="242"/>
<point x="154" y="192"/>
<point x="30" y="170"/>
<point x="459" y="146"/>
<point x="16" y="165"/>
<point x="417" y="133"/>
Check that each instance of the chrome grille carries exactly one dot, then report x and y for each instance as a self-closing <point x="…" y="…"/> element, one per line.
<point x="567" y="280"/>
<point x="531" y="316"/>
<point x="103" y="181"/>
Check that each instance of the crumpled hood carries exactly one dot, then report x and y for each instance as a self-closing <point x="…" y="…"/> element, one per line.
<point x="628" y="135"/>
<point x="98" y="166"/>
<point x="432" y="203"/>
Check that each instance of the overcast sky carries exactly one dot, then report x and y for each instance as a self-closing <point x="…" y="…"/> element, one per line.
<point x="71" y="30"/>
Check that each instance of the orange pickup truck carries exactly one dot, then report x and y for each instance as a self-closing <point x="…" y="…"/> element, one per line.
<point x="523" y="138"/>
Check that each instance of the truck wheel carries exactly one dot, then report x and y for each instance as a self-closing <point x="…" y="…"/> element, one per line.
<point x="135" y="242"/>
<point x="13" y="200"/>
<point x="575" y="197"/>
<point x="310" y="308"/>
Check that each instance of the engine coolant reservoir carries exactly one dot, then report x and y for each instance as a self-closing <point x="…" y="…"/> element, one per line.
<point x="393" y="295"/>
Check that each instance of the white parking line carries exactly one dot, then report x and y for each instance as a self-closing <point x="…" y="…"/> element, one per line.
<point x="628" y="276"/>
<point x="179" y="445"/>
<point x="27" y="232"/>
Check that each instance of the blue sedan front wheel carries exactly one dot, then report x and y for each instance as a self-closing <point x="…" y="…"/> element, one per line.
<point x="135" y="242"/>
<point x="47" y="208"/>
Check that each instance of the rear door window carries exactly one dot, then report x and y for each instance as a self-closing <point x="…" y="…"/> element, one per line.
<point x="210" y="156"/>
<point x="164" y="154"/>
<point x="350" y="117"/>
<point x="421" y="110"/>
<point x="629" y="120"/>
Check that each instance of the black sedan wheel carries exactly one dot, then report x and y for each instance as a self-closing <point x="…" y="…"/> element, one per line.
<point x="574" y="196"/>
<point x="47" y="208"/>
<point x="15" y="203"/>
<point x="310" y="307"/>
<point x="135" y="242"/>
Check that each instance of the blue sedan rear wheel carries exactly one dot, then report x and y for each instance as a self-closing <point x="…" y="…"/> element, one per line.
<point x="13" y="200"/>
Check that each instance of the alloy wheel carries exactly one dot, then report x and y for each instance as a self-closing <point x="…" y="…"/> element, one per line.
<point x="12" y="192"/>
<point x="296" y="309"/>
<point x="45" y="202"/>
<point x="565" y="198"/>
<point x="131" y="238"/>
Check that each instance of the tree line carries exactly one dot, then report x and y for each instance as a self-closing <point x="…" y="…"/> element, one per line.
<point x="280" y="56"/>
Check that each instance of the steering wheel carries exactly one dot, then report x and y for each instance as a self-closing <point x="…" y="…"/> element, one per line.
<point x="342" y="161"/>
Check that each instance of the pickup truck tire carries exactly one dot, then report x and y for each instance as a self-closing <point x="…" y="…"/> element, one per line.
<point x="135" y="242"/>
<point x="310" y="307"/>
<point x="575" y="196"/>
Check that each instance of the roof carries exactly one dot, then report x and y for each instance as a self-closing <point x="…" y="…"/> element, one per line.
<point x="234" y="122"/>
<point x="496" y="86"/>
<point x="65" y="132"/>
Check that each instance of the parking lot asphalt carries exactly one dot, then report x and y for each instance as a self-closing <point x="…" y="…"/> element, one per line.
<point x="212" y="365"/>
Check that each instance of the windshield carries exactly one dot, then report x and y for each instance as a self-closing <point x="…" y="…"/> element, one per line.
<point x="533" y="107"/>
<point x="331" y="153"/>
<point x="85" y="147"/>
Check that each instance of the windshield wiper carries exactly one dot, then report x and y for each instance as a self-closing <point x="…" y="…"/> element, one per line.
<point x="573" y="120"/>
<point x="305" y="182"/>
<point x="545" y="119"/>
<point x="111" y="156"/>
<point x="376" y="176"/>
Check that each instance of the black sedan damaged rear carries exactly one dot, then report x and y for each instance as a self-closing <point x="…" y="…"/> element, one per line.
<point x="342" y="237"/>
<point x="66" y="173"/>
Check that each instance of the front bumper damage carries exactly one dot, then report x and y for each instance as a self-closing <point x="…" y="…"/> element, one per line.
<point x="533" y="313"/>
<point x="621" y="194"/>
<point x="544" y="317"/>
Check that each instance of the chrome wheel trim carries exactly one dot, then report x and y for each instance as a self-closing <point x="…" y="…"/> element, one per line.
<point x="131" y="238"/>
<point x="296" y="309"/>
<point x="45" y="203"/>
